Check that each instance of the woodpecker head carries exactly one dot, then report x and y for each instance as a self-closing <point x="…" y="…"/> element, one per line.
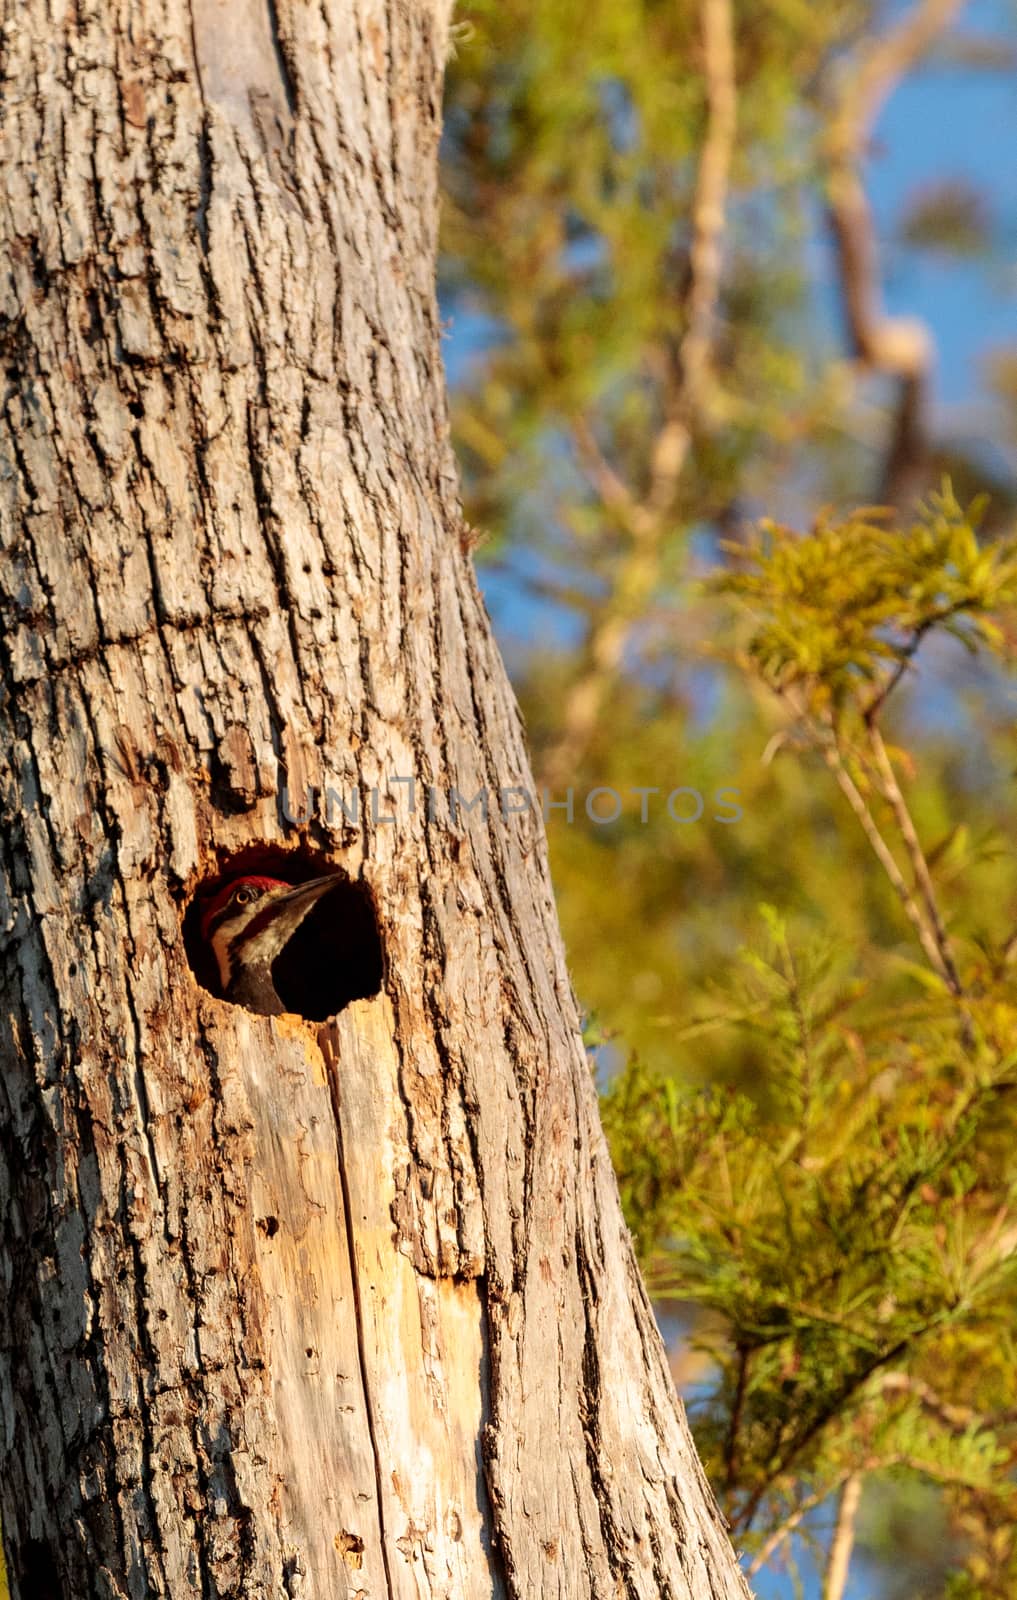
<point x="249" y="921"/>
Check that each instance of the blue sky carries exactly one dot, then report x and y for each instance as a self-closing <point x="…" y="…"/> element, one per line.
<point x="946" y="122"/>
<point x="950" y="122"/>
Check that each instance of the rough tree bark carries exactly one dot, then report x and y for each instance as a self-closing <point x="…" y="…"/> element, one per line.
<point x="335" y="1312"/>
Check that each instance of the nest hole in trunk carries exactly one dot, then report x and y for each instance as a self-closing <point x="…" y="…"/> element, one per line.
<point x="333" y="957"/>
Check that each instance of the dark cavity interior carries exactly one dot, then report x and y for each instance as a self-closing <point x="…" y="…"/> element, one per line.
<point x="335" y="955"/>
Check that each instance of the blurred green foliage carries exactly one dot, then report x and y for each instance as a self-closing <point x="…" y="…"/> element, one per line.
<point x="850" y="604"/>
<point x="804" y="1022"/>
<point x="572" y="132"/>
<point x="843" y="1219"/>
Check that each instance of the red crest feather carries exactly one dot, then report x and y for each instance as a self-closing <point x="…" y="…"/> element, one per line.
<point x="220" y="899"/>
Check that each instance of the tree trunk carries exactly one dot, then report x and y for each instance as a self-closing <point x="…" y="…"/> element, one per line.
<point x="337" y="1311"/>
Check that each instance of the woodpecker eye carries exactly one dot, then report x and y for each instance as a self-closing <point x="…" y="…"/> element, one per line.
<point x="243" y="897"/>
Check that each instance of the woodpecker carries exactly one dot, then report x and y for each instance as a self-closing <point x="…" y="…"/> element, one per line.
<point x="247" y="924"/>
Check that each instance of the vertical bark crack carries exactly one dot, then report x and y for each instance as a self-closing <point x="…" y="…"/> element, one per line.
<point x="279" y="47"/>
<point x="331" y="1069"/>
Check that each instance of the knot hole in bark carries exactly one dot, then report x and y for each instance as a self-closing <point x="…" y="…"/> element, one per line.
<point x="254" y="939"/>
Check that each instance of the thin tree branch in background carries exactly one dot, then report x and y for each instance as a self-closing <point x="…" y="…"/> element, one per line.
<point x="811" y="1503"/>
<point x="611" y="489"/>
<point x="731" y="1443"/>
<point x="788" y="1526"/>
<point x="646" y="521"/>
<point x="934" y="1471"/>
<point x="912" y="843"/>
<point x="784" y="1459"/>
<point x="959" y="1419"/>
<point x="922" y="911"/>
<point x="912" y="911"/>
<point x="835" y="1579"/>
<point x="900" y="347"/>
<point x="879" y="699"/>
<point x="705" y="254"/>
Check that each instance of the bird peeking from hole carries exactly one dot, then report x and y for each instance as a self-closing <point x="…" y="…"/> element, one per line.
<point x="275" y="946"/>
<point x="248" y="925"/>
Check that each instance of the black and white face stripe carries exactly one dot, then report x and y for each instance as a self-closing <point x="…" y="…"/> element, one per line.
<point x="258" y="921"/>
<point x="227" y="928"/>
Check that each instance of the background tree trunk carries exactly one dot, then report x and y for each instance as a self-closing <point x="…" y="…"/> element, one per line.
<point x="334" y="1312"/>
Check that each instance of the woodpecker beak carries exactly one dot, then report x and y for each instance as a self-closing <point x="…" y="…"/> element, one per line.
<point x="305" y="894"/>
<point x="273" y="923"/>
<point x="288" y="910"/>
